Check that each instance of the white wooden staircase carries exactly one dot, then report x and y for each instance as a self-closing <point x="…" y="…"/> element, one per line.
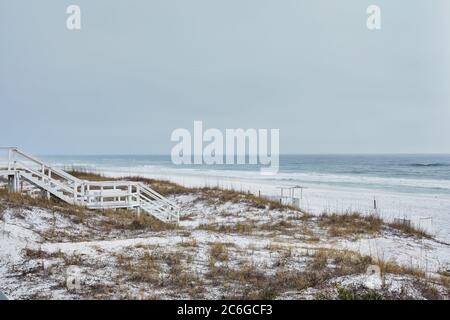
<point x="19" y="167"/>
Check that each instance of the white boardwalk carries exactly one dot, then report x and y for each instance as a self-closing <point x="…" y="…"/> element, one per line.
<point x="20" y="167"/>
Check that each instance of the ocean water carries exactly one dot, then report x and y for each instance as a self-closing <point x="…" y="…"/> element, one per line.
<point x="424" y="174"/>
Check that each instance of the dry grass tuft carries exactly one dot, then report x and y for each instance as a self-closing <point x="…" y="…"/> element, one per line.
<point x="394" y="268"/>
<point x="85" y="174"/>
<point x="410" y="230"/>
<point x="221" y="196"/>
<point x="128" y="220"/>
<point x="22" y="201"/>
<point x="218" y="251"/>
<point x="350" y="224"/>
<point x="252" y="283"/>
<point x="191" y="243"/>
<point x="355" y="224"/>
<point x="239" y="227"/>
<point x="281" y="225"/>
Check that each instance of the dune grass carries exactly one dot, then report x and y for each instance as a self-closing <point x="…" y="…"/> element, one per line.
<point x="355" y="224"/>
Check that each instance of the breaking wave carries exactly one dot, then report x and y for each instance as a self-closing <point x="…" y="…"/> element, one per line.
<point x="429" y="165"/>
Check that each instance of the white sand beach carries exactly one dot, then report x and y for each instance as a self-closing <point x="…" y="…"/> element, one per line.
<point x="427" y="211"/>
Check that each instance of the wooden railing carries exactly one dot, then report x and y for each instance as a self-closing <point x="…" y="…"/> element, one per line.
<point x="91" y="194"/>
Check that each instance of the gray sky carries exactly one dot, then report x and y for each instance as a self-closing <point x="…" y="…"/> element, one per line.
<point x="139" y="69"/>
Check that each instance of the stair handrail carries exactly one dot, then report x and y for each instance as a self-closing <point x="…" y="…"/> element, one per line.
<point x="145" y="188"/>
<point x="51" y="180"/>
<point x="51" y="190"/>
<point x="53" y="169"/>
<point x="174" y="209"/>
<point x="170" y="212"/>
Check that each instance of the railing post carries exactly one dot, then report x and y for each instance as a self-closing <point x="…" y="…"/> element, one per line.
<point x="138" y="210"/>
<point x="14" y="163"/>
<point x="88" y="195"/>
<point x="82" y="193"/>
<point x="138" y="199"/>
<point x="9" y="159"/>
<point x="11" y="183"/>
<point x="16" y="181"/>
<point x="75" y="189"/>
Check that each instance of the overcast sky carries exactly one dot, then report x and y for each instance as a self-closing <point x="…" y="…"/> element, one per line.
<point x="139" y="69"/>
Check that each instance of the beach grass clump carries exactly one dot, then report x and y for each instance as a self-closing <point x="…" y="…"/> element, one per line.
<point x="33" y="254"/>
<point x="410" y="230"/>
<point x="357" y="293"/>
<point x="322" y="267"/>
<point x="158" y="269"/>
<point x="215" y="195"/>
<point x="191" y="243"/>
<point x="239" y="227"/>
<point x="145" y="268"/>
<point x="282" y="225"/>
<point x="85" y="174"/>
<point x="24" y="201"/>
<point x="355" y="224"/>
<point x="248" y="281"/>
<point x="121" y="219"/>
<point x="218" y="251"/>
<point x="394" y="268"/>
<point x="350" y="224"/>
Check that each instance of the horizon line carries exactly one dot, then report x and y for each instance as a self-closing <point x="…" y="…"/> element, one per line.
<point x="281" y="154"/>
